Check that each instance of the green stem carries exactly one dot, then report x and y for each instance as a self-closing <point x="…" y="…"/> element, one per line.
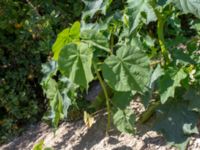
<point x="106" y="96"/>
<point x="149" y="112"/>
<point x="111" y="43"/>
<point x="161" y="39"/>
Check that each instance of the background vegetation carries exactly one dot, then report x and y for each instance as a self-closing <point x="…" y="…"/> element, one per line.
<point x="28" y="29"/>
<point x="100" y="54"/>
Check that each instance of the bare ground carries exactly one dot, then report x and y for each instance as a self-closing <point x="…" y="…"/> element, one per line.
<point x="76" y="136"/>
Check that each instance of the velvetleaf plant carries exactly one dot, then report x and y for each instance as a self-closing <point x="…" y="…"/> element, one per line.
<point x="134" y="47"/>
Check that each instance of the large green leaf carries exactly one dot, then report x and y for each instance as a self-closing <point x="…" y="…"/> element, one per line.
<point x="75" y="61"/>
<point x="188" y="6"/>
<point x="169" y="82"/>
<point x="176" y="122"/>
<point x="66" y="36"/>
<point x="93" y="6"/>
<point x="140" y="10"/>
<point x="127" y="70"/>
<point x="124" y="120"/>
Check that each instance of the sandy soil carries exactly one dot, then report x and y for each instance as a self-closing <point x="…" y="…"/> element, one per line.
<point x="76" y="136"/>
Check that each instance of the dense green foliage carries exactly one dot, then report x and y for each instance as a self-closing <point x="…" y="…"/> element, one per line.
<point x="145" y="47"/>
<point x="115" y="51"/>
<point x="27" y="31"/>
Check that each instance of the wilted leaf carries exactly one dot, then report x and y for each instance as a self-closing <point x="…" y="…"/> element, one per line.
<point x="88" y="119"/>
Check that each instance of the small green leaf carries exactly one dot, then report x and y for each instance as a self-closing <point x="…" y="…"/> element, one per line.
<point x="169" y="82"/>
<point x="128" y="70"/>
<point x="124" y="120"/>
<point x="136" y="8"/>
<point x="39" y="145"/>
<point x="75" y="61"/>
<point x="66" y="36"/>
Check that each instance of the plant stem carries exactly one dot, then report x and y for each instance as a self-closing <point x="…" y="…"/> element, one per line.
<point x="160" y="32"/>
<point x="106" y="96"/>
<point x="149" y="112"/>
<point x="111" y="43"/>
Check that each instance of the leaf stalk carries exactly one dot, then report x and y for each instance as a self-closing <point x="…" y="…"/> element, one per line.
<point x="161" y="39"/>
<point x="106" y="96"/>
